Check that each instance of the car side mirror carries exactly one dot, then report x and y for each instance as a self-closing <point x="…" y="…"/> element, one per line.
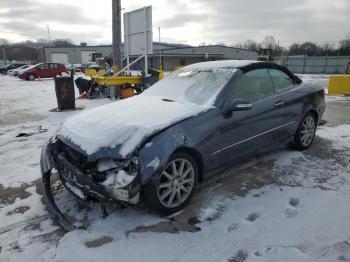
<point x="238" y="105"/>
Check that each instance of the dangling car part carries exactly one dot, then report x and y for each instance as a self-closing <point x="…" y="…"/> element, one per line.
<point x="194" y="123"/>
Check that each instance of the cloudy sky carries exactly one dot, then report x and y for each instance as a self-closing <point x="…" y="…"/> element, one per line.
<point x="181" y="21"/>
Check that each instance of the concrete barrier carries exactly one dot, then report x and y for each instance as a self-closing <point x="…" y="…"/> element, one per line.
<point x="339" y="85"/>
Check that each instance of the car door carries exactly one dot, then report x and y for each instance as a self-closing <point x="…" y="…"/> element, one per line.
<point x="292" y="96"/>
<point x="243" y="133"/>
<point x="53" y="70"/>
<point x="43" y="70"/>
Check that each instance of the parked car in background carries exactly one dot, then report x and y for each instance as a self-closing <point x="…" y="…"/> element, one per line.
<point x="70" y="67"/>
<point x="18" y="71"/>
<point x="5" y="69"/>
<point x="43" y="70"/>
<point x="75" y="67"/>
<point x="194" y="123"/>
<point x="78" y="67"/>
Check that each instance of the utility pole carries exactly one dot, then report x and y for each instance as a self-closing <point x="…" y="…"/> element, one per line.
<point x="116" y="33"/>
<point x="4" y="53"/>
<point x="160" y="52"/>
<point x="48" y="34"/>
<point x="116" y="41"/>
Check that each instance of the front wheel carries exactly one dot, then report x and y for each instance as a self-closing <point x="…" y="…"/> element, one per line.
<point x="31" y="77"/>
<point x="171" y="190"/>
<point x="305" y="134"/>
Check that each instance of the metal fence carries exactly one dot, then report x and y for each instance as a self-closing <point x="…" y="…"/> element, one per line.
<point x="315" y="64"/>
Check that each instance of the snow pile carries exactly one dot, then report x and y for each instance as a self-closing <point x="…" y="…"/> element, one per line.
<point x="124" y="123"/>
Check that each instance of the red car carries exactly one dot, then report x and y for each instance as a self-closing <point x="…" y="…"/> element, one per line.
<point x="43" y="70"/>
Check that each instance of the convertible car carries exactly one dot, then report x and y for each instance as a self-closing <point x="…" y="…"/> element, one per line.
<point x="195" y="123"/>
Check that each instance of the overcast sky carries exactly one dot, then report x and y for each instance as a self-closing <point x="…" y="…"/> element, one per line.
<point x="181" y="21"/>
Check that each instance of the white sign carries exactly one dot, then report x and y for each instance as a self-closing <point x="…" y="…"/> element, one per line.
<point x="138" y="36"/>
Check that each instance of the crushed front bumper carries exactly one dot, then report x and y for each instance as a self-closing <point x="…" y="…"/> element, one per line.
<point x="80" y="184"/>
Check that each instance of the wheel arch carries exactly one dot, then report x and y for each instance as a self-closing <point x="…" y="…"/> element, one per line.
<point x="197" y="156"/>
<point x="314" y="112"/>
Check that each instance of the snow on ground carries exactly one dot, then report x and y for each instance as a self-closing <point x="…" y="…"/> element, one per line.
<point x="285" y="206"/>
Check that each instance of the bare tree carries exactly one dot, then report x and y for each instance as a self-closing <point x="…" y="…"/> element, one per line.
<point x="251" y="44"/>
<point x="269" y="42"/>
<point x="62" y="42"/>
<point x="4" y="41"/>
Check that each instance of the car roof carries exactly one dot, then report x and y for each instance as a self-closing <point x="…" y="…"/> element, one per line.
<point x="243" y="65"/>
<point x="48" y="63"/>
<point x="222" y="64"/>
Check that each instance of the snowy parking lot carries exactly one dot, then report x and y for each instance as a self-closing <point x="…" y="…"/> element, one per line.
<point x="284" y="206"/>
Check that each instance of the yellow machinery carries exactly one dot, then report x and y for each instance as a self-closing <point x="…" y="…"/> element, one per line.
<point x="339" y="85"/>
<point x="118" y="80"/>
<point x="123" y="79"/>
<point x="92" y="72"/>
<point x="124" y="82"/>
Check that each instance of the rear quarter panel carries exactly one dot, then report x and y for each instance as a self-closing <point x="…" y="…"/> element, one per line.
<point x="302" y="99"/>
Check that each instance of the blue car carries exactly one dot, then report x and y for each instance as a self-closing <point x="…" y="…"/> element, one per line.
<point x="195" y="123"/>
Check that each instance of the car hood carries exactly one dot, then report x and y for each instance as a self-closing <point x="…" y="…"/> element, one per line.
<point x="117" y="129"/>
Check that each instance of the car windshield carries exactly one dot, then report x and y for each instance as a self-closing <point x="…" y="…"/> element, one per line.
<point x="197" y="86"/>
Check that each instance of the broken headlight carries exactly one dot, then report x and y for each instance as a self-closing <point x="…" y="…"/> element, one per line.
<point x="121" y="172"/>
<point x="106" y="164"/>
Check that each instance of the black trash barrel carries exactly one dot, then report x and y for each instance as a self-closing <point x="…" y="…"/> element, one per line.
<point x="64" y="87"/>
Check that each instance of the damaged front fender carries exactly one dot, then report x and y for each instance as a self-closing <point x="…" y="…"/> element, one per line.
<point x="154" y="154"/>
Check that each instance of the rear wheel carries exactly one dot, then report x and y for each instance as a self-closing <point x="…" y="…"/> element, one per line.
<point x="171" y="190"/>
<point x="31" y="77"/>
<point x="305" y="134"/>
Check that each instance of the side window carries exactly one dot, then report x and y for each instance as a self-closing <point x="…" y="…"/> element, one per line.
<point x="43" y="66"/>
<point x="252" y="86"/>
<point x="281" y="80"/>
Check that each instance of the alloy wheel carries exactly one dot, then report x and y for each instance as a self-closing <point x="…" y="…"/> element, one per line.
<point x="176" y="183"/>
<point x="31" y="77"/>
<point x="307" y="132"/>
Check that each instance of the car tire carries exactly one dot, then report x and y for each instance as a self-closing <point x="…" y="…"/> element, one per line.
<point x="172" y="188"/>
<point x="305" y="134"/>
<point x="31" y="77"/>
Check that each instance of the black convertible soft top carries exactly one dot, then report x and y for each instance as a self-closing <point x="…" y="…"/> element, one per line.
<point x="262" y="65"/>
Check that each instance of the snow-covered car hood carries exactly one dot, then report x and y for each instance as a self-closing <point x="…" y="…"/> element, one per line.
<point x="118" y="128"/>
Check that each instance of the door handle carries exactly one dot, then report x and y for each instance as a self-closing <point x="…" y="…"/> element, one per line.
<point x="279" y="103"/>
